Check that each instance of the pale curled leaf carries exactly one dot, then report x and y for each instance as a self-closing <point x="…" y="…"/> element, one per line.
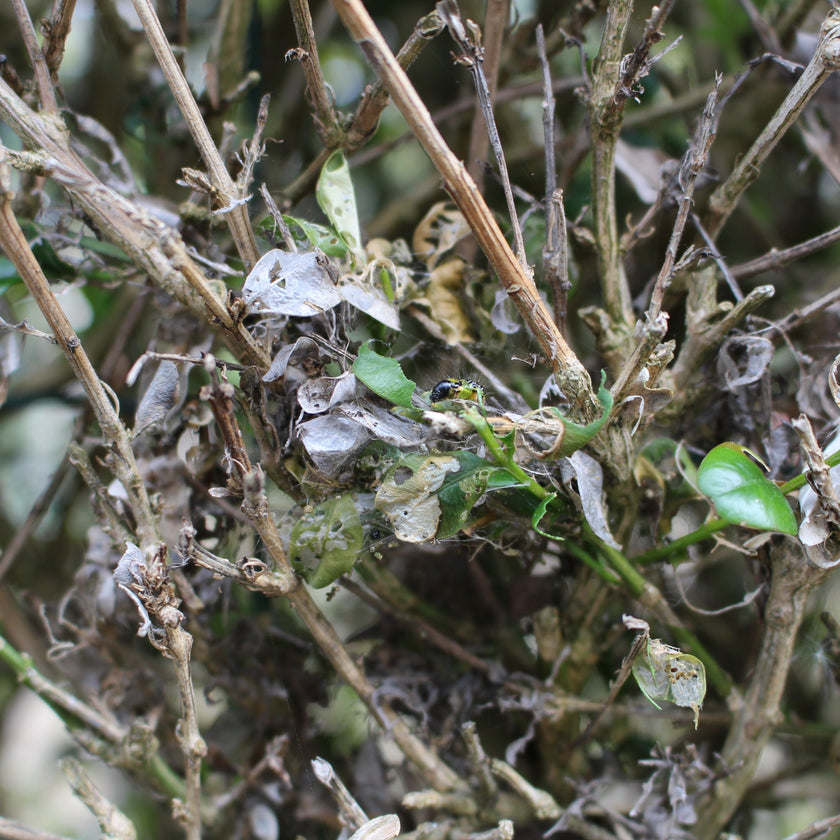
<point x="129" y="572"/>
<point x="337" y="198"/>
<point x="743" y="360"/>
<point x="383" y="425"/>
<point x="315" y="396"/>
<point x="166" y="391"/>
<point x="502" y="314"/>
<point x="833" y="384"/>
<point x="371" y="301"/>
<point x="263" y="822"/>
<point x="302" y="349"/>
<point x="816" y="528"/>
<point x="587" y="472"/>
<point x="332" y="442"/>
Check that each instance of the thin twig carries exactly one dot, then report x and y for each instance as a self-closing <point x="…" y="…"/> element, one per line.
<point x="327" y="122"/>
<point x="719" y="261"/>
<point x="555" y="253"/>
<point x="777" y="259"/>
<point x="230" y="199"/>
<point x="495" y="20"/>
<point x="623" y="675"/>
<point x="113" y="823"/>
<point x="825" y="61"/>
<point x="799" y="316"/>
<point x="13" y="830"/>
<point x="694" y="163"/>
<point x="473" y="57"/>
<point x="46" y="92"/>
<point x="818" y="828"/>
<point x="56" y="30"/>
<point x="766" y="33"/>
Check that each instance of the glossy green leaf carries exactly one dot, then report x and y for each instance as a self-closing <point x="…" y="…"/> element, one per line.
<point x="741" y="493"/>
<point x="337" y="199"/>
<point x="383" y="376"/>
<point x="326" y="541"/>
<point x="461" y="490"/>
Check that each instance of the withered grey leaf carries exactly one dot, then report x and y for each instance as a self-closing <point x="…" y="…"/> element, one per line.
<point x="743" y="360"/>
<point x="388" y="427"/>
<point x="315" y="396"/>
<point x="263" y="822"/>
<point x="643" y="168"/>
<point x="130" y="570"/>
<point x="372" y="302"/>
<point x="331" y="442"/>
<point x="833" y="384"/>
<point x="590" y="487"/>
<point x="284" y="283"/>
<point x="164" y="393"/>
<point x="301" y="348"/>
<point x="815" y="528"/>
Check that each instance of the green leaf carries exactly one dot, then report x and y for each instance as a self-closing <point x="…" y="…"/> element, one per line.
<point x="539" y="514"/>
<point x="740" y="492"/>
<point x="337" y="199"/>
<point x="326" y="541"/>
<point x="321" y="237"/>
<point x="575" y="435"/>
<point x="461" y="490"/>
<point x="383" y="376"/>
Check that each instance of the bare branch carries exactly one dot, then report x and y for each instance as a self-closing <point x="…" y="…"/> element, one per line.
<point x="825" y="61"/>
<point x="46" y="93"/>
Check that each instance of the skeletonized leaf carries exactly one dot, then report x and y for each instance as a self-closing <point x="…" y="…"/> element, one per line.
<point x="337" y="199"/>
<point x="284" y="283"/>
<point x="326" y="541"/>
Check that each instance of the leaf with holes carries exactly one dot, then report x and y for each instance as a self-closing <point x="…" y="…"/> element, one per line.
<point x="326" y="541"/>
